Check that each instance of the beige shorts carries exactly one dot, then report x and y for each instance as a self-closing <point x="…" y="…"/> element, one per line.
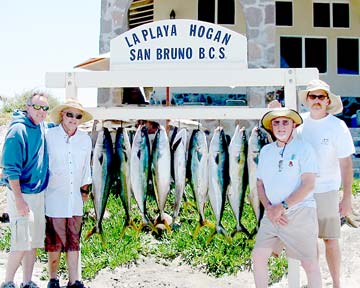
<point x="27" y="232"/>
<point x="299" y="236"/>
<point x="328" y="214"/>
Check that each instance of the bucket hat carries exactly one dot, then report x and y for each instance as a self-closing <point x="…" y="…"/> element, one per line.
<point x="280" y="112"/>
<point x="55" y="113"/>
<point x="335" y="106"/>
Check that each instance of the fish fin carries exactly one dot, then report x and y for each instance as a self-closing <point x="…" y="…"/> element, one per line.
<point x="217" y="160"/>
<point x="240" y="229"/>
<point x="90" y="233"/>
<point x="352" y="223"/>
<point x="101" y="159"/>
<point x="139" y="154"/>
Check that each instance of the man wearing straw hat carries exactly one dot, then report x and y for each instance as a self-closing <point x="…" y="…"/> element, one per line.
<point x="285" y="181"/>
<point x="333" y="145"/>
<point x="69" y="163"/>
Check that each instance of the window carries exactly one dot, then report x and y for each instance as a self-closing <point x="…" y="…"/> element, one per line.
<point x="217" y="11"/>
<point x="348" y="56"/>
<point x="206" y="11"/>
<point x="331" y="14"/>
<point x="316" y="54"/>
<point x="314" y="51"/>
<point x="140" y="12"/>
<point x="283" y="13"/>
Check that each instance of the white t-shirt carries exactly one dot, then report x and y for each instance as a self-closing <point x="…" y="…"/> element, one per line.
<point x="69" y="165"/>
<point x="282" y="180"/>
<point x="331" y="140"/>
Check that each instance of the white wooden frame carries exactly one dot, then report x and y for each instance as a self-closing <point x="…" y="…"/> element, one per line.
<point x="187" y="75"/>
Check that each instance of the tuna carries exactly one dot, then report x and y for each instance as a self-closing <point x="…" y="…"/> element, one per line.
<point x="139" y="170"/>
<point x="258" y="139"/>
<point x="122" y="157"/>
<point x="197" y="173"/>
<point x="178" y="149"/>
<point x="238" y="176"/>
<point x="218" y="177"/>
<point x="160" y="171"/>
<point x="102" y="177"/>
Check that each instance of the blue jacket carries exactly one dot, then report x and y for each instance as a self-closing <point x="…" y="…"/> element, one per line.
<point x="24" y="154"/>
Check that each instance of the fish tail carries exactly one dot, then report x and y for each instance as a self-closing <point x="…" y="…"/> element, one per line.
<point x="91" y="232"/>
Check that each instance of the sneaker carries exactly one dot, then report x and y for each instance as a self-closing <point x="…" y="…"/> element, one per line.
<point x="53" y="283"/>
<point x="8" y="285"/>
<point x="77" y="284"/>
<point x="30" y="284"/>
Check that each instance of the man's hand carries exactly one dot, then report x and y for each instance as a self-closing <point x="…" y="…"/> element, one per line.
<point x="85" y="196"/>
<point x="276" y="215"/>
<point x="22" y="207"/>
<point x="345" y="207"/>
<point x="274" y="104"/>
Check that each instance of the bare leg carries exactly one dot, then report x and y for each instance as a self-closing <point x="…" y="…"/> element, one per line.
<point x="333" y="258"/>
<point x="313" y="273"/>
<point x="72" y="259"/>
<point x="53" y="262"/>
<point x="260" y="257"/>
<point x="28" y="262"/>
<point x="13" y="263"/>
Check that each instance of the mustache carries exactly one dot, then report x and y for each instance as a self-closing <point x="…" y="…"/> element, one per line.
<point x="315" y="105"/>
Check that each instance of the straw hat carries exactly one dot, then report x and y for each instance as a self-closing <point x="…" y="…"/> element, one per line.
<point x="335" y="106"/>
<point x="280" y="112"/>
<point x="55" y="113"/>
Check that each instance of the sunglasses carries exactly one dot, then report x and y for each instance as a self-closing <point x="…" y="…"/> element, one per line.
<point x="278" y="122"/>
<point x="73" y="115"/>
<point x="320" y="97"/>
<point x="38" y="107"/>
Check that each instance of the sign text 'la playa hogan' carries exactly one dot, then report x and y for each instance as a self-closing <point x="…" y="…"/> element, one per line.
<point x="178" y="41"/>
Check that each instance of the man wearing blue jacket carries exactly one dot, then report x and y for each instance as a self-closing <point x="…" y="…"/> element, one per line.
<point x="25" y="171"/>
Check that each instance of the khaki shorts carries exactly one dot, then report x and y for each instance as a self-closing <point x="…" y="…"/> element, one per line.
<point x="328" y="214"/>
<point x="299" y="236"/>
<point x="27" y="232"/>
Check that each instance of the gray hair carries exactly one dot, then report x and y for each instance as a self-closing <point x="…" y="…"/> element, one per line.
<point x="36" y="93"/>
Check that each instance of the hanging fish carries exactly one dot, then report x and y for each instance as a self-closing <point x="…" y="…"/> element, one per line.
<point x="102" y="177"/>
<point x="160" y="171"/>
<point x="197" y="174"/>
<point x="258" y="139"/>
<point x="139" y="170"/>
<point x="122" y="157"/>
<point x="238" y="176"/>
<point x="178" y="149"/>
<point x="218" y="177"/>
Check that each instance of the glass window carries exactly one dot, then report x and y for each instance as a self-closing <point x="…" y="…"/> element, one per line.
<point x="290" y="52"/>
<point x="321" y="14"/>
<point x="316" y="54"/>
<point x="283" y="13"/>
<point x="226" y="12"/>
<point x="348" y="56"/>
<point x="206" y="10"/>
<point x="341" y="16"/>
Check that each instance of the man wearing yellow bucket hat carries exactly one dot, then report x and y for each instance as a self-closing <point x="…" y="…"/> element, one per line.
<point x="285" y="182"/>
<point x="333" y="145"/>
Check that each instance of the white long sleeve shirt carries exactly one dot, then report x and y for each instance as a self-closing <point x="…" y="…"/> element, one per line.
<point x="69" y="165"/>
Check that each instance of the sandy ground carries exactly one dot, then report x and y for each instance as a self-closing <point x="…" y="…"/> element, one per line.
<point x="149" y="273"/>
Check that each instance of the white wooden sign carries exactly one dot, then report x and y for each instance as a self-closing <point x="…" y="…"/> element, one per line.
<point x="179" y="41"/>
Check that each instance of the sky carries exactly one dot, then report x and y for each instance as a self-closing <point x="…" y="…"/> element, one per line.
<point x="39" y="36"/>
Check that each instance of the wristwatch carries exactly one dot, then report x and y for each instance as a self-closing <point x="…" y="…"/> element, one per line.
<point x="285" y="205"/>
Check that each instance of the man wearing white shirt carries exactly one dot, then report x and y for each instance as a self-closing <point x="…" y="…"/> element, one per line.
<point x="70" y="174"/>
